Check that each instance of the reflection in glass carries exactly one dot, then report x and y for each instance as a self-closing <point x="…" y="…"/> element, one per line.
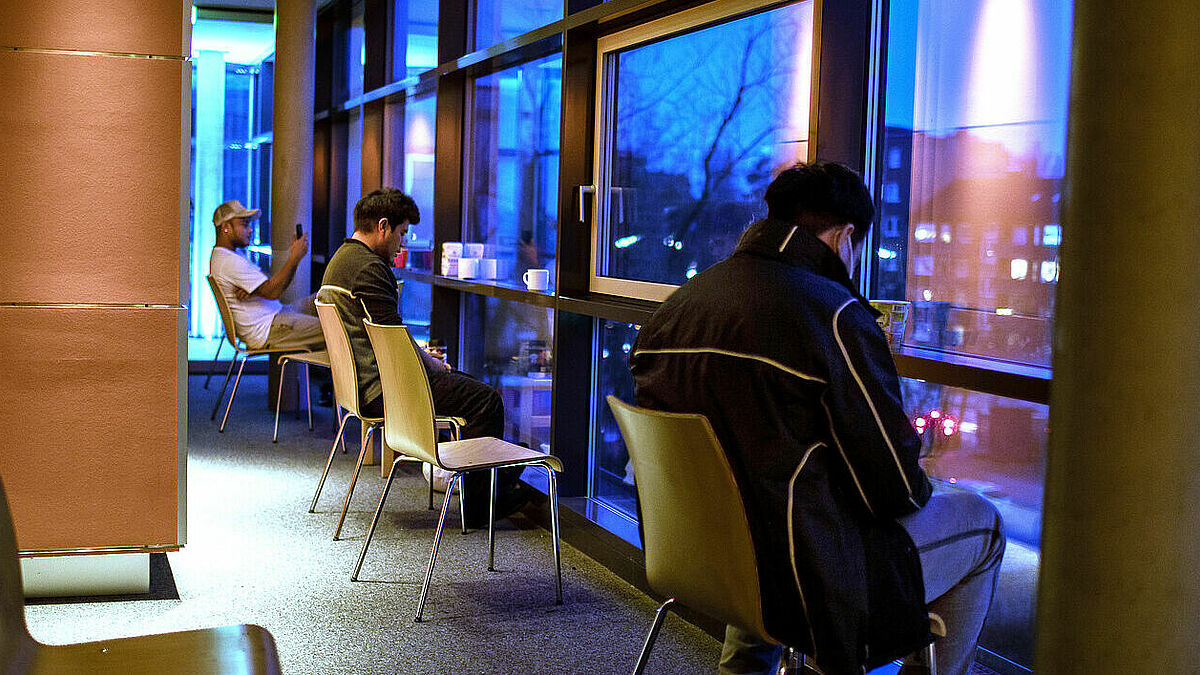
<point x="995" y="447"/>
<point x="415" y="299"/>
<point x="356" y="51"/>
<point x="509" y="346"/>
<point x="612" y="473"/>
<point x="414" y="37"/>
<point x="974" y="146"/>
<point x="512" y="185"/>
<point x="500" y="20"/>
<point x="354" y="139"/>
<point x="408" y="165"/>
<point x="700" y="122"/>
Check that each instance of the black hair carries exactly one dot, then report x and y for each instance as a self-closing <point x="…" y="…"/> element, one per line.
<point x="820" y="196"/>
<point x="389" y="203"/>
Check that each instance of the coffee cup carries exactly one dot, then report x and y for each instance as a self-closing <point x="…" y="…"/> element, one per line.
<point x="450" y="266"/>
<point x="400" y="259"/>
<point x="488" y="268"/>
<point x="537" y="279"/>
<point x="468" y="268"/>
<point x="452" y="249"/>
<point x="893" y="317"/>
<point x="472" y="250"/>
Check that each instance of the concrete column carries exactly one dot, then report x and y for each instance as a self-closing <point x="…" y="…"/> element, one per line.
<point x="1120" y="579"/>
<point x="292" y="149"/>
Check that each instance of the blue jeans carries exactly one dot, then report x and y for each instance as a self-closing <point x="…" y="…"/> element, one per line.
<point x="960" y="539"/>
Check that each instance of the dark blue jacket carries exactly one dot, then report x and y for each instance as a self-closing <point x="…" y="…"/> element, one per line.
<point x="784" y="357"/>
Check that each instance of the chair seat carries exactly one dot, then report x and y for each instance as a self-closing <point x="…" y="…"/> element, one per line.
<point x="227" y="649"/>
<point x="482" y="453"/>
<point x="320" y="358"/>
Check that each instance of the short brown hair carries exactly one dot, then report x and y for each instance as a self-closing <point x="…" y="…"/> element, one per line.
<point x="389" y="203"/>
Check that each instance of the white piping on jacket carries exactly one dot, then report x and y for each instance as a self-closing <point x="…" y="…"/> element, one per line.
<point x="870" y="403"/>
<point x="842" y="452"/>
<point x="792" y="545"/>
<point x="740" y="355"/>
<point x="788" y="238"/>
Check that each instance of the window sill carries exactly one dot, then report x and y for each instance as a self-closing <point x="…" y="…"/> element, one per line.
<point x="1001" y="378"/>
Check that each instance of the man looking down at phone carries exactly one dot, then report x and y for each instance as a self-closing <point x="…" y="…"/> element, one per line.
<point x="260" y="319"/>
<point x="361" y="266"/>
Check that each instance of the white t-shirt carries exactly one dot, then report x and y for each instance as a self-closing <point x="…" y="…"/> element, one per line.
<point x="252" y="317"/>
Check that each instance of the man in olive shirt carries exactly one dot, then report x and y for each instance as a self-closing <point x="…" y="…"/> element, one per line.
<point x="362" y="266"/>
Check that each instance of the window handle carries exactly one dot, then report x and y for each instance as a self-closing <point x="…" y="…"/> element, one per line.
<point x="580" y="191"/>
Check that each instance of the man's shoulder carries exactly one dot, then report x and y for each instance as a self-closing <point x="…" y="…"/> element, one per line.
<point x="352" y="263"/>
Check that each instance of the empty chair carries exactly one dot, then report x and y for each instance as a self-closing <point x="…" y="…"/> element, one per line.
<point x="229" y="649"/>
<point x="695" y="533"/>
<point x="345" y="391"/>
<point x="246" y="352"/>
<point x="409" y="428"/>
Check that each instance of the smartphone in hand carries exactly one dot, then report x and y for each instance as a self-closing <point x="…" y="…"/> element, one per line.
<point x="299" y="230"/>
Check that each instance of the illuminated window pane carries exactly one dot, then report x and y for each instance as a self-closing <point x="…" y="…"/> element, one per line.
<point x="976" y="101"/>
<point x="414" y="37"/>
<point x="612" y="481"/>
<point x="1049" y="271"/>
<point x="500" y="20"/>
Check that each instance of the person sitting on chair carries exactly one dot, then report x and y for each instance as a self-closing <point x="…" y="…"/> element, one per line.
<point x="775" y="346"/>
<point x="260" y="319"/>
<point x="362" y="266"/>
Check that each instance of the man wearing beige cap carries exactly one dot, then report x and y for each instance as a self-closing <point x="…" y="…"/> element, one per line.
<point x="253" y="297"/>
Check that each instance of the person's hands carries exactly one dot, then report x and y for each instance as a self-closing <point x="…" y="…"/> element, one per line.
<point x="240" y="294"/>
<point x="298" y="247"/>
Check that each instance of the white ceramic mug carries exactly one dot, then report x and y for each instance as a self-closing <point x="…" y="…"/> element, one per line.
<point x="452" y="249"/>
<point x="537" y="279"/>
<point x="468" y="268"/>
<point x="488" y="268"/>
<point x="472" y="250"/>
<point x="450" y="266"/>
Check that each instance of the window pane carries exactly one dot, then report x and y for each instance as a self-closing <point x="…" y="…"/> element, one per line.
<point x="512" y="188"/>
<point x="414" y="38"/>
<point x="408" y="165"/>
<point x="356" y="52"/>
<point x="354" y="138"/>
<point x="612" y="473"/>
<point x="508" y="345"/>
<point x="500" y="20"/>
<point x="995" y="447"/>
<point x="699" y="122"/>
<point x="415" y="299"/>
<point x="975" y="134"/>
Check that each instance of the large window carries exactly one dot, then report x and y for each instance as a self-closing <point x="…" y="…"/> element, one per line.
<point x="414" y="37"/>
<point x="612" y="472"/>
<point x="511" y="191"/>
<point x="971" y="172"/>
<point x="499" y="20"/>
<point x="691" y="128"/>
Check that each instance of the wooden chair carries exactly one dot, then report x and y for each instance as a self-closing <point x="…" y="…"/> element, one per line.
<point x="246" y="352"/>
<point x="229" y="649"/>
<point x="695" y="533"/>
<point x="409" y="428"/>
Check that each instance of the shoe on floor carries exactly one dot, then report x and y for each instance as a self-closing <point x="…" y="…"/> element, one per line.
<point x="441" y="477"/>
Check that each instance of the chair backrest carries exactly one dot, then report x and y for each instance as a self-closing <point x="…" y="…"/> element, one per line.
<point x="697" y="538"/>
<point x="15" y="643"/>
<point x="341" y="357"/>
<point x="223" y="310"/>
<point x="408" y="417"/>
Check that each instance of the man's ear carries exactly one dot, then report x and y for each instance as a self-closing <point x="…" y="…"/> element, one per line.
<point x="382" y="225"/>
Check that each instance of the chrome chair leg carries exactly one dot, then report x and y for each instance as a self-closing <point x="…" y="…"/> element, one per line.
<point x="341" y="415"/>
<point x="308" y="396"/>
<point x="228" y="373"/>
<point x="659" y="616"/>
<point x="462" y="506"/>
<point x="431" y="467"/>
<point x="279" y="398"/>
<point x="931" y="659"/>
<point x="554" y="533"/>
<point x="437" y="540"/>
<point x="329" y="462"/>
<point x="233" y="393"/>
<point x="212" y="366"/>
<point x="492" y="524"/>
<point x="362" y="555"/>
<point x="353" y="479"/>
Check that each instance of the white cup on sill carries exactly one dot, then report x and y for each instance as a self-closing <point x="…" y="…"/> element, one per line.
<point x="537" y="279"/>
<point x="468" y="268"/>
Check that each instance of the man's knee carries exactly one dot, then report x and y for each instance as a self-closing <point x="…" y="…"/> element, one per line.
<point x="978" y="513"/>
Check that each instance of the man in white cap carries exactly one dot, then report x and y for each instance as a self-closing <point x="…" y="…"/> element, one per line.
<point x="253" y="297"/>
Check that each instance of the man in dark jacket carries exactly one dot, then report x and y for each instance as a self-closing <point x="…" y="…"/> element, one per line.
<point x="361" y="266"/>
<point x="775" y="346"/>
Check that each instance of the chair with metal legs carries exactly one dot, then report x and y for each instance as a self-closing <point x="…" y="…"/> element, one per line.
<point x="240" y="649"/>
<point x="345" y="392"/>
<point x="409" y="429"/>
<point x="695" y="533"/>
<point x="213" y="366"/>
<point x="246" y="352"/>
<point x="320" y="359"/>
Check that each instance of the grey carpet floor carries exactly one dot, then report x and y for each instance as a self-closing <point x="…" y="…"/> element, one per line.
<point x="255" y="555"/>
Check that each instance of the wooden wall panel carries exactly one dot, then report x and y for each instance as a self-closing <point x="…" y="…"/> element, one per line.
<point x="125" y="26"/>
<point x="88" y="411"/>
<point x="90" y="195"/>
